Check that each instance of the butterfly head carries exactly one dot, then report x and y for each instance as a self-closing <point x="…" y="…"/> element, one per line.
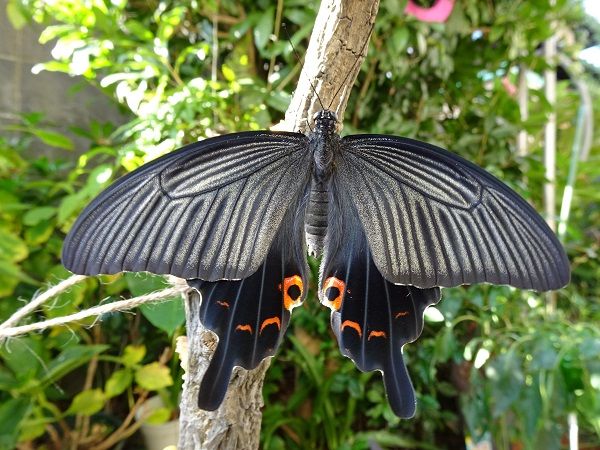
<point x="326" y="121"/>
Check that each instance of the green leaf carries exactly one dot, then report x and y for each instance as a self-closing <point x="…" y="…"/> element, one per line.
<point x="39" y="214"/>
<point x="118" y="382"/>
<point x="7" y="379"/>
<point x="53" y="138"/>
<point x="12" y="413"/>
<point x="169" y="22"/>
<point x="12" y="247"/>
<point x="54" y="31"/>
<point x="40" y="233"/>
<point x="133" y="354"/>
<point x="445" y="345"/>
<point x="98" y="179"/>
<point x="68" y="360"/>
<point x="279" y="100"/>
<point x="24" y="357"/>
<point x="138" y="30"/>
<point x="10" y="276"/>
<point x="263" y="28"/>
<point x="33" y="426"/>
<point x="544" y="355"/>
<point x="87" y="402"/>
<point x="15" y="15"/>
<point x="153" y="376"/>
<point x="399" y="40"/>
<point x="144" y="283"/>
<point x="507" y="380"/>
<point x="69" y="205"/>
<point x="228" y="73"/>
<point x="167" y="315"/>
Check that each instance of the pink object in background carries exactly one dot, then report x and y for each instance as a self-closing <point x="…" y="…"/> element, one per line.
<point x="439" y="12"/>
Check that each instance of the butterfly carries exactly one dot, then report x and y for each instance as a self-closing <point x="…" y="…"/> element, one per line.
<point x="394" y="219"/>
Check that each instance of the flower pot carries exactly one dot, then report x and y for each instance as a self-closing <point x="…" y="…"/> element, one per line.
<point x="157" y="436"/>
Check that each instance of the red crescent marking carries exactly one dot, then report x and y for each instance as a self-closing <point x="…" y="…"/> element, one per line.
<point x="376" y="333"/>
<point x="336" y="303"/>
<point x="270" y="321"/>
<point x="223" y="303"/>
<point x="401" y="314"/>
<point x="245" y="327"/>
<point x="355" y="326"/>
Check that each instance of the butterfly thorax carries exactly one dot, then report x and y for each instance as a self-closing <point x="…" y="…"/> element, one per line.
<point x="324" y="143"/>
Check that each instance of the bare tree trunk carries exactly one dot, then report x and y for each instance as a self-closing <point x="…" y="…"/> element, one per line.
<point x="337" y="48"/>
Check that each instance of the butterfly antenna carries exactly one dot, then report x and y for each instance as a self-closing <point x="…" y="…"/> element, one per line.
<point x="353" y="65"/>
<point x="301" y="65"/>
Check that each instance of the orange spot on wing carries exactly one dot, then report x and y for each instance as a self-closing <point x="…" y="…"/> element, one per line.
<point x="289" y="282"/>
<point x="333" y="282"/>
<point x="223" y="303"/>
<point x="401" y="314"/>
<point x="377" y="333"/>
<point x="244" y="327"/>
<point x="355" y="326"/>
<point x="270" y="321"/>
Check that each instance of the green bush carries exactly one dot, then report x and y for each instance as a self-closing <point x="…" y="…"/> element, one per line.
<point x="492" y="360"/>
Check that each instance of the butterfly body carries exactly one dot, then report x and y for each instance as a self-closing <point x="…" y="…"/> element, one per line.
<point x="324" y="144"/>
<point x="394" y="219"/>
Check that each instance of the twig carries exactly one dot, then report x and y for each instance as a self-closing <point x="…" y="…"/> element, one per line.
<point x="277" y="26"/>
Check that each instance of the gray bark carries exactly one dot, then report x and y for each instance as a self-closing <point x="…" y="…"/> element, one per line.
<point x="337" y="48"/>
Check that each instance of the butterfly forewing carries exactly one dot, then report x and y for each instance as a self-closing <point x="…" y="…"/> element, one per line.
<point x="371" y="317"/>
<point x="209" y="210"/>
<point x="434" y="219"/>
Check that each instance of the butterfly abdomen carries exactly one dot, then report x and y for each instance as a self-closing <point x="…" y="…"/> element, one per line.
<point x="315" y="226"/>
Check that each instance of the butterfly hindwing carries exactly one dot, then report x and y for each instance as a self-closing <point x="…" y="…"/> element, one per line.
<point x="371" y="317"/>
<point x="209" y="210"/>
<point x="250" y="315"/>
<point x="434" y="219"/>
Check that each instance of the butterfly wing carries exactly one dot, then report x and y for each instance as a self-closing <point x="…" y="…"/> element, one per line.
<point x="434" y="219"/>
<point x="209" y="210"/>
<point x="250" y="316"/>
<point x="371" y="317"/>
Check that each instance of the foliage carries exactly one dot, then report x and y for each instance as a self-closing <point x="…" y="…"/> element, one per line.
<point x="70" y="386"/>
<point x="491" y="359"/>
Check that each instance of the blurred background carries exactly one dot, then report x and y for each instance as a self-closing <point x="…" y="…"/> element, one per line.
<point x="92" y="89"/>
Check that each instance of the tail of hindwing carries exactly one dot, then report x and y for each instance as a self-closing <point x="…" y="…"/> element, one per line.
<point x="250" y="316"/>
<point x="371" y="317"/>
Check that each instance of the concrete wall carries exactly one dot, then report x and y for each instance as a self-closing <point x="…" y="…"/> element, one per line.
<point x="64" y="100"/>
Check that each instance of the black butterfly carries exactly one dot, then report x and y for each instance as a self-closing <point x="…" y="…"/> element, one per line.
<point x="395" y="219"/>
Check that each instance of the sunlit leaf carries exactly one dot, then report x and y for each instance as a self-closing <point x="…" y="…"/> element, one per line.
<point x="117" y="383"/>
<point x="53" y="138"/>
<point x="87" y="402"/>
<point x="16" y="16"/>
<point x="37" y="215"/>
<point x="153" y="376"/>
<point x="133" y="354"/>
